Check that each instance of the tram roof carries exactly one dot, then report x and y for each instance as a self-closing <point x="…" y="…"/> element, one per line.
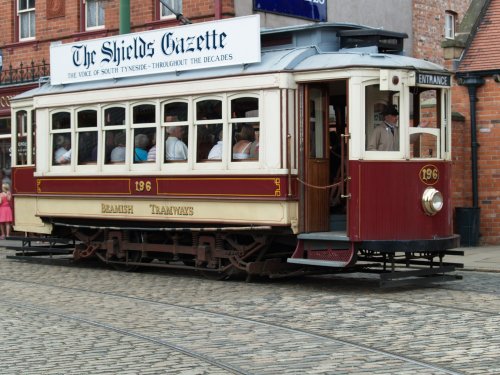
<point x="307" y="51"/>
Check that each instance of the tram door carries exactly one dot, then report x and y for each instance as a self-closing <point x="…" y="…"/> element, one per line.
<point x="325" y="156"/>
<point x="316" y="159"/>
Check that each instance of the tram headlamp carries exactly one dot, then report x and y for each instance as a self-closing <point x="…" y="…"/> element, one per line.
<point x="432" y="201"/>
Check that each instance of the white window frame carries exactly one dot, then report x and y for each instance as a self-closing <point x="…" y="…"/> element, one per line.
<point x="53" y="132"/>
<point x="174" y="4"/>
<point x="181" y="166"/>
<point x="119" y="166"/>
<point x="216" y="164"/>
<point x="78" y="131"/>
<point x="99" y="5"/>
<point x="31" y="16"/>
<point x="449" y="25"/>
<point x="402" y="122"/>
<point x="252" y="163"/>
<point x="135" y="166"/>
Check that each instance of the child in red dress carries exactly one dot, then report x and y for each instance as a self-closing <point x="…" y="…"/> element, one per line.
<point x="5" y="211"/>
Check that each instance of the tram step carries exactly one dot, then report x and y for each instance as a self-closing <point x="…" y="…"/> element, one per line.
<point x="322" y="249"/>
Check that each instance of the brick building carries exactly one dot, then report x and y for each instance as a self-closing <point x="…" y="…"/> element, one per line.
<point x="27" y="30"/>
<point x="475" y="57"/>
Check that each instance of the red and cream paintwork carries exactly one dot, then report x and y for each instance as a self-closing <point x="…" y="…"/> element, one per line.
<point x="386" y="200"/>
<point x="237" y="200"/>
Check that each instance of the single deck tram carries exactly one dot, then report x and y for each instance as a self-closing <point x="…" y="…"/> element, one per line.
<point x="331" y="153"/>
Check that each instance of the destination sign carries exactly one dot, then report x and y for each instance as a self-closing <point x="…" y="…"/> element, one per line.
<point x="433" y="79"/>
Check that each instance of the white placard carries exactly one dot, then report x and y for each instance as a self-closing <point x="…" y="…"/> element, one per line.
<point x="203" y="45"/>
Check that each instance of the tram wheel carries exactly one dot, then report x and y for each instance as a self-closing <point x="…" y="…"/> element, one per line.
<point x="133" y="256"/>
<point x="122" y="265"/>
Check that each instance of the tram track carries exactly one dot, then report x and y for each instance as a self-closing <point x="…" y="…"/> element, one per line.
<point x="228" y="367"/>
<point x="109" y="327"/>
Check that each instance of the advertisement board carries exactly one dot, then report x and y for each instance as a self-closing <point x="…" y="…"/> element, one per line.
<point x="202" y="45"/>
<point x="308" y="9"/>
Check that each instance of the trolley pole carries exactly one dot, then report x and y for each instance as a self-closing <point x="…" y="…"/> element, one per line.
<point x="124" y="16"/>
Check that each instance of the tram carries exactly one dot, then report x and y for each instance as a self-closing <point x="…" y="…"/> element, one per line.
<point x="261" y="167"/>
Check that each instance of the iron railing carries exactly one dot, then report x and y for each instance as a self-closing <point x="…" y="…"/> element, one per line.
<point x="23" y="74"/>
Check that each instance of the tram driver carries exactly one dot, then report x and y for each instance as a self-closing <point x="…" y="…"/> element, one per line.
<point x="385" y="136"/>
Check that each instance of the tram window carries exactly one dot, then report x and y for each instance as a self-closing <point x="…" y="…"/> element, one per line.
<point x="208" y="130"/>
<point x="245" y="107"/>
<point x="317" y="124"/>
<point x="175" y="111"/>
<point x="61" y="146"/>
<point x="5" y="126"/>
<point x="87" y="140"/>
<point x="33" y="136"/>
<point x="61" y="120"/>
<point x="144" y="145"/>
<point x="381" y="119"/>
<point x="21" y="141"/>
<point x="209" y="142"/>
<point x="5" y="143"/>
<point x="245" y="132"/>
<point x="425" y="123"/>
<point x="210" y="109"/>
<point x="115" y="148"/>
<point x="87" y="147"/>
<point x="87" y="119"/>
<point x="114" y="116"/>
<point x="144" y="114"/>
<point x="245" y="144"/>
<point x="176" y="131"/>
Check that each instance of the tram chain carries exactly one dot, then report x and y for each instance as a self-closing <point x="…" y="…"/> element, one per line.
<point x="350" y="343"/>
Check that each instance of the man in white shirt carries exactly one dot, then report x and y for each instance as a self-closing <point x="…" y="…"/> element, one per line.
<point x="175" y="149"/>
<point x="62" y="155"/>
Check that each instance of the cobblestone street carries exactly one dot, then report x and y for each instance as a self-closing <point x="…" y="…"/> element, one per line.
<point x="82" y="320"/>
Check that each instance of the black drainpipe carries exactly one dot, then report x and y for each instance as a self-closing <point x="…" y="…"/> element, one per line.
<point x="472" y="83"/>
<point x="467" y="218"/>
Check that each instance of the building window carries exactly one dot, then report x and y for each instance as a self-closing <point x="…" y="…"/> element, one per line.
<point x="449" y="25"/>
<point x="175" y="5"/>
<point x="94" y="14"/>
<point x="26" y="14"/>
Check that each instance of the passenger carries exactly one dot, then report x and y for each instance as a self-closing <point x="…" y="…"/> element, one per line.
<point x="5" y="211"/>
<point x="241" y="149"/>
<point x="62" y="155"/>
<point x="5" y="177"/>
<point x="205" y="141"/>
<point x="87" y="142"/>
<point x="254" y="148"/>
<point x="141" y="145"/>
<point x="175" y="148"/>
<point x="385" y="136"/>
<point x="118" y="153"/>
<point x="216" y="151"/>
<point x="152" y="150"/>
